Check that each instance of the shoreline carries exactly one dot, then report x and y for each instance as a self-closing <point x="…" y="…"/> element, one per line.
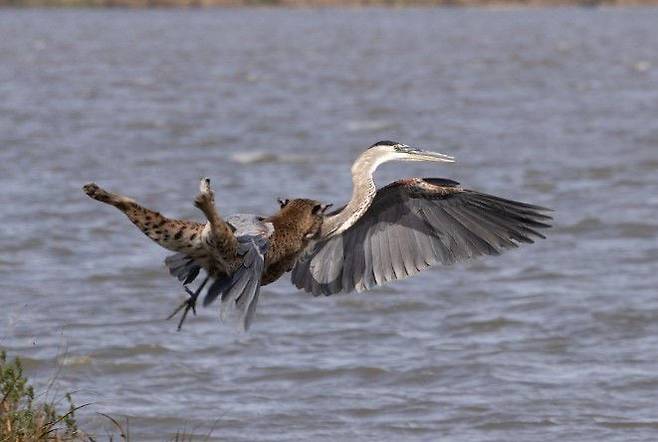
<point x="302" y="4"/>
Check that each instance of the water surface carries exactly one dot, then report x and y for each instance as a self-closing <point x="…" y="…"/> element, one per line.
<point x="557" y="341"/>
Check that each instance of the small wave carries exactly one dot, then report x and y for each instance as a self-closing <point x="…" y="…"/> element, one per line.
<point x="642" y="66"/>
<point x="260" y="157"/>
<point x="4" y="262"/>
<point x="647" y="383"/>
<point x="97" y="278"/>
<point x="369" y="125"/>
<point x="623" y="229"/>
<point x="638" y="230"/>
<point x="318" y="374"/>
<point x="588" y="224"/>
<point x="513" y="424"/>
<point x="532" y="275"/>
<point x="122" y="352"/>
<point x="418" y="376"/>
<point x="629" y="425"/>
<point x="27" y="362"/>
<point x="115" y="368"/>
<point x="490" y="325"/>
<point x="403" y="307"/>
<point x="62" y="251"/>
<point x="627" y="318"/>
<point x="69" y="361"/>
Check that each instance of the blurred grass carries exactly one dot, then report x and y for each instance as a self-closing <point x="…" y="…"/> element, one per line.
<point x="24" y="419"/>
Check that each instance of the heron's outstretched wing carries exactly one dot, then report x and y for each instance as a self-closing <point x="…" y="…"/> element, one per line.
<point x="411" y="225"/>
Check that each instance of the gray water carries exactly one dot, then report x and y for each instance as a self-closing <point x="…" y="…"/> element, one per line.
<point x="554" y="341"/>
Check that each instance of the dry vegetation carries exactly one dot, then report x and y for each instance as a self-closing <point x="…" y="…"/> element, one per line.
<point x="25" y="419"/>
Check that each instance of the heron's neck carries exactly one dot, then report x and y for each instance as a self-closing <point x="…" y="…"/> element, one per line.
<point x="363" y="192"/>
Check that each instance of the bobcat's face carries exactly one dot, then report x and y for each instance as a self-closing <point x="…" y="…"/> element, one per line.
<point x="307" y="216"/>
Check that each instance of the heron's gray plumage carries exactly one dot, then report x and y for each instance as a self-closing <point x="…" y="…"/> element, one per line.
<point x="240" y="295"/>
<point x="238" y="292"/>
<point x="411" y="225"/>
<point x="183" y="267"/>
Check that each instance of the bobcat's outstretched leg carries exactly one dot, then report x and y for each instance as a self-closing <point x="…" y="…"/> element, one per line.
<point x="177" y="235"/>
<point x="217" y="236"/>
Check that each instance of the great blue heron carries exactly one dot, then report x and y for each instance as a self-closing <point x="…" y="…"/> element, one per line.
<point x="380" y="235"/>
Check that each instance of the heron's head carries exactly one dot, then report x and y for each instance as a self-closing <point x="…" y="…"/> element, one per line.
<point x="383" y="151"/>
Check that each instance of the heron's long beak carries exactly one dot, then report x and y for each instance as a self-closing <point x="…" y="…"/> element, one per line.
<point x="423" y="155"/>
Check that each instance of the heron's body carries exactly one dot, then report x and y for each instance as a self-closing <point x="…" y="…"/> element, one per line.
<point x="380" y="235"/>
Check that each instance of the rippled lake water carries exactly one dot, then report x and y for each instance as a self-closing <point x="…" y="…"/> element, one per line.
<point x="555" y="341"/>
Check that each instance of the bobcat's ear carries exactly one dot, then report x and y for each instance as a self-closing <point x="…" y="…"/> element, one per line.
<point x="283" y="202"/>
<point x="320" y="208"/>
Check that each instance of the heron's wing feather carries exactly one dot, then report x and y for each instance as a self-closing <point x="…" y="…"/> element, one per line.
<point x="412" y="225"/>
<point x="186" y="266"/>
<point x="239" y="292"/>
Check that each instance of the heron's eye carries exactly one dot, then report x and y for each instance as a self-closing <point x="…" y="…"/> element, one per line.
<point x="316" y="209"/>
<point x="283" y="202"/>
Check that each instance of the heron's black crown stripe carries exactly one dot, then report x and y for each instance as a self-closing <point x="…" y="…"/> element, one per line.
<point x="384" y="143"/>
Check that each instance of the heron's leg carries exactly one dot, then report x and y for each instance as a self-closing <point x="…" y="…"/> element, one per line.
<point x="217" y="236"/>
<point x="177" y="235"/>
<point x="188" y="304"/>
